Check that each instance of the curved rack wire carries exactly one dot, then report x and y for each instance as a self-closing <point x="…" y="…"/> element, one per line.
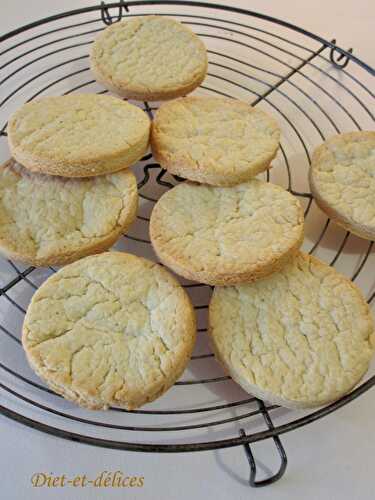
<point x="249" y="59"/>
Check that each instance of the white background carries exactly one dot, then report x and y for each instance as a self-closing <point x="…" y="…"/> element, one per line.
<point x="330" y="460"/>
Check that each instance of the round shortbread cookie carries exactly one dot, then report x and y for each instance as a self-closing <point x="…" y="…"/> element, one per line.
<point x="78" y="135"/>
<point x="110" y="329"/>
<point x="47" y="220"/>
<point x="214" y="140"/>
<point x="342" y="180"/>
<point x="302" y="337"/>
<point x="222" y="235"/>
<point x="149" y="58"/>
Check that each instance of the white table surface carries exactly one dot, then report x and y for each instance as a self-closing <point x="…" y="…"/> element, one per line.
<point x="331" y="459"/>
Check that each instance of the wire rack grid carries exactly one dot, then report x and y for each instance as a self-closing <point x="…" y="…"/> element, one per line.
<point x="304" y="82"/>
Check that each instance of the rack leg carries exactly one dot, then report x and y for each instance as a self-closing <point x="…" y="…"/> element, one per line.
<point x="250" y="457"/>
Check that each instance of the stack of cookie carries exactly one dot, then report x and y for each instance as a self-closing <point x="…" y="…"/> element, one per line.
<point x="302" y="335"/>
<point x="230" y="228"/>
<point x="117" y="329"/>
<point x="109" y="329"/>
<point x="70" y="195"/>
<point x="67" y="192"/>
<point x="287" y="327"/>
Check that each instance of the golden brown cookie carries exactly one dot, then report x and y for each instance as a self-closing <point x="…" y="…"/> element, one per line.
<point x="214" y="140"/>
<point x="342" y="180"/>
<point x="48" y="220"/>
<point x="300" y="338"/>
<point x="149" y="58"/>
<point x="110" y="329"/>
<point x="221" y="236"/>
<point x="78" y="135"/>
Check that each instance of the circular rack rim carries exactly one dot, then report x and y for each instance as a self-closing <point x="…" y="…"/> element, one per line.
<point x="272" y="432"/>
<point x="285" y="24"/>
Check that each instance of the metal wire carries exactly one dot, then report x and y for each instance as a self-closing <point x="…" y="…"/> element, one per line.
<point x="226" y="69"/>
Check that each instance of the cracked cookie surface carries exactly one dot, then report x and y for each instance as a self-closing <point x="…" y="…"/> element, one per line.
<point x="342" y="180"/>
<point x="220" y="236"/>
<point x="49" y="220"/>
<point x="214" y="140"/>
<point x="149" y="58"/>
<point x="300" y="338"/>
<point x="110" y="329"/>
<point x="78" y="135"/>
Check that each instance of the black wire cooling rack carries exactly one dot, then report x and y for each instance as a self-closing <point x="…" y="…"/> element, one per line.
<point x="303" y="81"/>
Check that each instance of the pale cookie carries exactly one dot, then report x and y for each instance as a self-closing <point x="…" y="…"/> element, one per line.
<point x="46" y="220"/>
<point x="214" y="140"/>
<point x="222" y="236"/>
<point x="110" y="329"/>
<point x="78" y="135"/>
<point x="300" y="338"/>
<point x="342" y="180"/>
<point x="149" y="58"/>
